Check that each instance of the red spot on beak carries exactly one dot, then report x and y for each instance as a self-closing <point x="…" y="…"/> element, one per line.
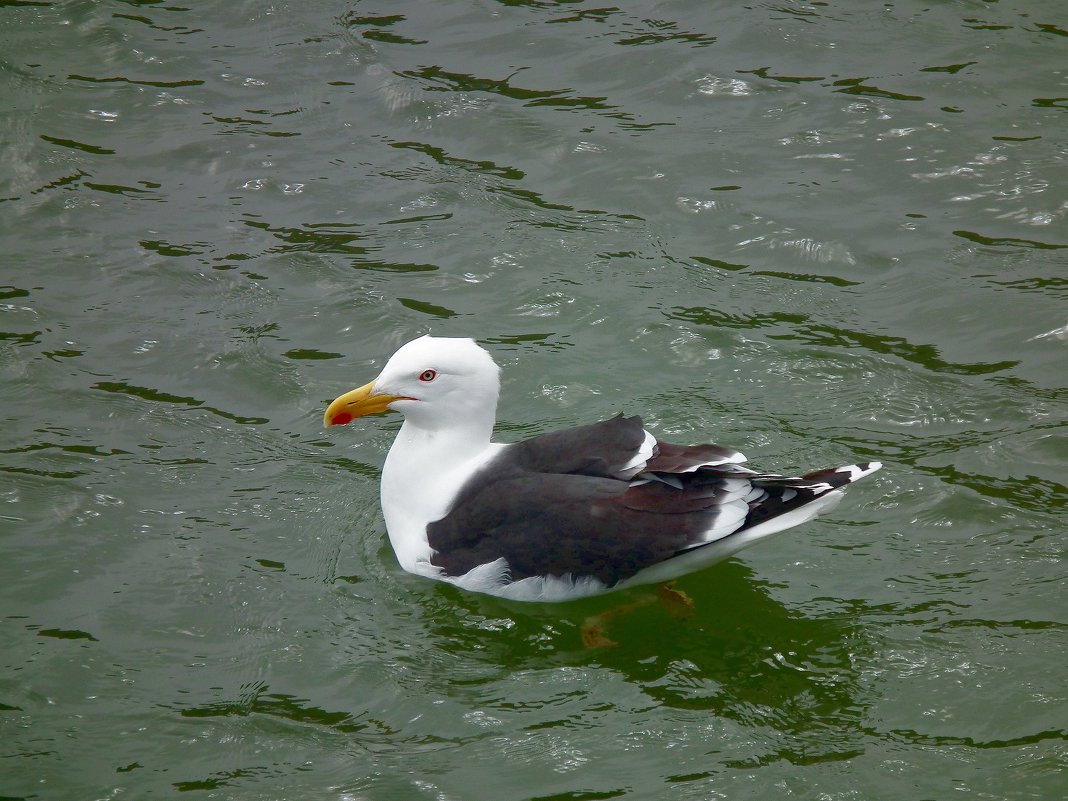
<point x="341" y="419"/>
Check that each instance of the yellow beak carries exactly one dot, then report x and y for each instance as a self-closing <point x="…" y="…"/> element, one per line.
<point x="357" y="403"/>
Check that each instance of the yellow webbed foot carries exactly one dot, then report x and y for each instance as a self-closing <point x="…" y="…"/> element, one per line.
<point x="678" y="604"/>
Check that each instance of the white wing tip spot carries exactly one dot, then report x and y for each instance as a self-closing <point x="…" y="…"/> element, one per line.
<point x="857" y="472"/>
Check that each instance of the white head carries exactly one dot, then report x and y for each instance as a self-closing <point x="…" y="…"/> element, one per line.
<point x="435" y="382"/>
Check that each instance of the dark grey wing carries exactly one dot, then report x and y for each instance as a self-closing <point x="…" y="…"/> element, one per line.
<point x="564" y="503"/>
<point x="612" y="449"/>
<point x="601" y="449"/>
<point x="670" y="458"/>
<point x="550" y="524"/>
<point x="570" y="503"/>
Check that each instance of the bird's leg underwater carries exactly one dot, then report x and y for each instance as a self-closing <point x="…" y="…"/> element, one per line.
<point x="677" y="603"/>
<point x="593" y="627"/>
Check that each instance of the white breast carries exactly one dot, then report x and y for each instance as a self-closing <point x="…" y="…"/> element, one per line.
<point x="421" y="477"/>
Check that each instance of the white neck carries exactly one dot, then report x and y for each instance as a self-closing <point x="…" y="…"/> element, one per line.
<point x="417" y="450"/>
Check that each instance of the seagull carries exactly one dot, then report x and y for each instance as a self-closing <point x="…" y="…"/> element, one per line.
<point x="567" y="514"/>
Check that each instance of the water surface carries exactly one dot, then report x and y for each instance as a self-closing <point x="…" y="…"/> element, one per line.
<point x="817" y="232"/>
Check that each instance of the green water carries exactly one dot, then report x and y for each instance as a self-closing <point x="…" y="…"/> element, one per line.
<point x="816" y="232"/>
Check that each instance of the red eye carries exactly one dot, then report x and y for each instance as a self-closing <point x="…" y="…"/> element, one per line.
<point x="428" y="375"/>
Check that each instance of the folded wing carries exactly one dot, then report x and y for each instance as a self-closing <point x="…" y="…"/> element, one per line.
<point x="608" y="500"/>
